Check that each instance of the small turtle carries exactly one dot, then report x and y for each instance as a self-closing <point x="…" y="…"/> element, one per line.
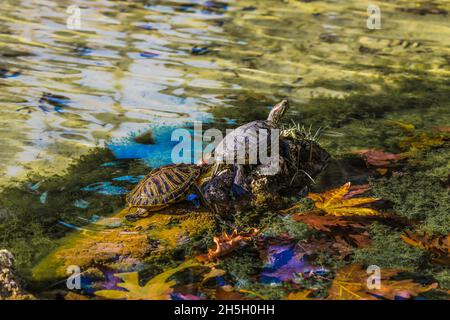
<point x="235" y="145"/>
<point x="163" y="187"/>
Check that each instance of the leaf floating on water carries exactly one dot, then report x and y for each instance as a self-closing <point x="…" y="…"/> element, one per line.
<point x="228" y="243"/>
<point x="333" y="202"/>
<point x="158" y="288"/>
<point x="350" y="283"/>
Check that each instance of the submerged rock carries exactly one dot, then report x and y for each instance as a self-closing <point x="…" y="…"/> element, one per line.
<point x="10" y="283"/>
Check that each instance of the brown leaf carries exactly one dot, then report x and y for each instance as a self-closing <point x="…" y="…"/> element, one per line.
<point x="356" y="190"/>
<point x="227" y="243"/>
<point x="350" y="283"/>
<point x="439" y="246"/>
<point x="344" y="230"/>
<point x="378" y="158"/>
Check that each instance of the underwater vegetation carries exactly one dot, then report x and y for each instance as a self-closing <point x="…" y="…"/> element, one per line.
<point x="301" y="252"/>
<point x="387" y="205"/>
<point x="380" y="103"/>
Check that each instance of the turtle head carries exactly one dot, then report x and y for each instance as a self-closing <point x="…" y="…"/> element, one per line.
<point x="277" y="112"/>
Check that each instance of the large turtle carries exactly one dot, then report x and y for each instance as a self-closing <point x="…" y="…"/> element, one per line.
<point x="163" y="187"/>
<point x="237" y="143"/>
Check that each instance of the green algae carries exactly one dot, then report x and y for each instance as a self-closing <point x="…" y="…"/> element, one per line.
<point x="420" y="193"/>
<point x="31" y="227"/>
<point x="389" y="251"/>
<point x="275" y="226"/>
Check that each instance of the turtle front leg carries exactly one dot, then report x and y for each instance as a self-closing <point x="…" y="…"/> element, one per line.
<point x="140" y="213"/>
<point x="238" y="187"/>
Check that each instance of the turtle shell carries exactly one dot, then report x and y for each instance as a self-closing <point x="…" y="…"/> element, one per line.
<point x="238" y="143"/>
<point x="163" y="186"/>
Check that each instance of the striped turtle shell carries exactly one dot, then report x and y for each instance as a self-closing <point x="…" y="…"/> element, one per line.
<point x="163" y="186"/>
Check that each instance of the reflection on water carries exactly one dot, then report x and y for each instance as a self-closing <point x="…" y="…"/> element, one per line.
<point x="145" y="63"/>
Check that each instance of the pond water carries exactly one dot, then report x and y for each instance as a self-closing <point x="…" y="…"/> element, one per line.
<point x="138" y="64"/>
<point x="152" y="66"/>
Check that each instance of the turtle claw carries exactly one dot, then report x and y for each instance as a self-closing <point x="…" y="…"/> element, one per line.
<point x="238" y="191"/>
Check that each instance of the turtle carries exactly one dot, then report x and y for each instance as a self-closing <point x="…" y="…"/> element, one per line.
<point x="301" y="159"/>
<point x="240" y="139"/>
<point x="163" y="187"/>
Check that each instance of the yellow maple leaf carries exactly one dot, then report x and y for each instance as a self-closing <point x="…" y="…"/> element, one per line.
<point x="332" y="202"/>
<point x="158" y="288"/>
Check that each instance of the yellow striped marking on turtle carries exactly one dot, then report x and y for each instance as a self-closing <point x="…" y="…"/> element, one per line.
<point x="162" y="187"/>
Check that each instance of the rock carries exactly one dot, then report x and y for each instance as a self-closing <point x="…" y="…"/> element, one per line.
<point x="10" y="283"/>
<point x="145" y="138"/>
<point x="300" y="162"/>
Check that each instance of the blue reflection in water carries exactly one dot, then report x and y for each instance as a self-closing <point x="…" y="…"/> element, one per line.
<point x="106" y="188"/>
<point x="154" y="155"/>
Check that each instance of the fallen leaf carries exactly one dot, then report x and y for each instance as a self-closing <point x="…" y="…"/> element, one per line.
<point x="378" y="158"/>
<point x="343" y="230"/>
<point x="301" y="295"/>
<point x="227" y="243"/>
<point x="332" y="202"/>
<point x="350" y="283"/>
<point x="439" y="246"/>
<point x="158" y="288"/>
<point x="356" y="190"/>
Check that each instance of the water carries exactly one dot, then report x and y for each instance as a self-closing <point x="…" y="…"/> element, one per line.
<point x="134" y="65"/>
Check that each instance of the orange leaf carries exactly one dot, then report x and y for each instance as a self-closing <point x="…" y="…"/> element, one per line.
<point x="227" y="243"/>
